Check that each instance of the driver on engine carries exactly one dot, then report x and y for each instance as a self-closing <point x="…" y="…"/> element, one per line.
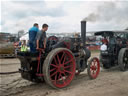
<point x="104" y="46"/>
<point x="41" y="38"/>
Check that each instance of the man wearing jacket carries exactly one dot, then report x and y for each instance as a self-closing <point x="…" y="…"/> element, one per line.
<point x="32" y="37"/>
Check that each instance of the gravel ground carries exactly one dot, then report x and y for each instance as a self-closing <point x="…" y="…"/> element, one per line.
<point x="110" y="82"/>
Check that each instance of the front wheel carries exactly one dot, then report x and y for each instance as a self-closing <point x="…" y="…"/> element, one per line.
<point x="93" y="68"/>
<point x="123" y="59"/>
<point x="59" y="68"/>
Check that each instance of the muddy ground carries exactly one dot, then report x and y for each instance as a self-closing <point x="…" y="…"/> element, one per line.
<point x="110" y="82"/>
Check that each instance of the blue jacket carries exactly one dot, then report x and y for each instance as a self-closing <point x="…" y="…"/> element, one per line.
<point x="32" y="34"/>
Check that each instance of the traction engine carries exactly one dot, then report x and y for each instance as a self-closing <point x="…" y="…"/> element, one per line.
<point x="62" y="60"/>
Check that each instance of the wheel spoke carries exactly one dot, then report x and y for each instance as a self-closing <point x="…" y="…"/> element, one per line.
<point x="91" y="67"/>
<point x="58" y="59"/>
<point x="54" y="73"/>
<point x="95" y="62"/>
<point x="68" y="71"/>
<point x="54" y="81"/>
<point x="92" y="64"/>
<point x="55" y="61"/>
<point x="63" y="79"/>
<point x="55" y="77"/>
<point x="59" y="77"/>
<point x="67" y="66"/>
<point x="54" y="65"/>
<point x="69" y="77"/>
<point x="93" y="72"/>
<point x="68" y="61"/>
<point x="64" y="60"/>
<point x="52" y="69"/>
<point x="64" y="74"/>
<point x="62" y="57"/>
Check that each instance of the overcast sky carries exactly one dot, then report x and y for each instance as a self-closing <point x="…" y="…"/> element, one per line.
<point x="63" y="16"/>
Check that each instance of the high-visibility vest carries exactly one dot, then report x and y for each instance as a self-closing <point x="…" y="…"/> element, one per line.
<point x="23" y="48"/>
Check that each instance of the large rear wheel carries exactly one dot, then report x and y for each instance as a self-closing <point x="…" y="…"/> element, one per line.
<point x="59" y="68"/>
<point x="123" y="59"/>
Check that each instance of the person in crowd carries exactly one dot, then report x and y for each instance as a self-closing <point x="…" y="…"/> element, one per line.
<point x="24" y="47"/>
<point x="104" y="40"/>
<point x="104" y="46"/>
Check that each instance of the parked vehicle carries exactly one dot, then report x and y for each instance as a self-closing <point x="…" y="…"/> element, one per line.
<point x="117" y="49"/>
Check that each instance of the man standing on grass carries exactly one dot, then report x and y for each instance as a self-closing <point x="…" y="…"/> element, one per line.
<point x="41" y="37"/>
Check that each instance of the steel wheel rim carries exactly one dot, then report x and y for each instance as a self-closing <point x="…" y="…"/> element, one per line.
<point x="94" y="67"/>
<point x="62" y="68"/>
<point x="125" y="60"/>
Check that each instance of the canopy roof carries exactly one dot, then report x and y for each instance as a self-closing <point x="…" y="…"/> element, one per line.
<point x="110" y="32"/>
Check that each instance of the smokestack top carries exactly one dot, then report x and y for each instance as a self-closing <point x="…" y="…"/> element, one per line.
<point x="83" y="21"/>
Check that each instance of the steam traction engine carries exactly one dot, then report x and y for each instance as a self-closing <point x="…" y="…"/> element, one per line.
<point x="116" y="53"/>
<point x="62" y="60"/>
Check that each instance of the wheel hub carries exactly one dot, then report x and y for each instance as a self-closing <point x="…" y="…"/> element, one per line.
<point x="93" y="67"/>
<point x="62" y="68"/>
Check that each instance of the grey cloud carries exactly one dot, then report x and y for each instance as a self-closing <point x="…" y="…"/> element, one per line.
<point x="31" y="2"/>
<point x="108" y="15"/>
<point x="31" y="8"/>
<point x="110" y="11"/>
